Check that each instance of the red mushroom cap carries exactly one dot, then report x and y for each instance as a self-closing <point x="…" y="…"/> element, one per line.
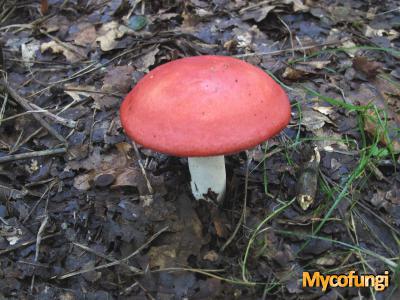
<point x="204" y="106"/>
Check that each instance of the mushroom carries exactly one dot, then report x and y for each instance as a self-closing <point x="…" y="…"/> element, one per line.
<point x="203" y="108"/>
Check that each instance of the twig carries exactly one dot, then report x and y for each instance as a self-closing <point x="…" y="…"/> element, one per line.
<point x="37" y="248"/>
<point x="243" y="215"/>
<point x="62" y="44"/>
<point x="27" y="106"/>
<point x="290" y="34"/>
<point x="287" y="50"/>
<point x="131" y="268"/>
<point x="139" y="159"/>
<point x="27" y="243"/>
<point x="47" y="191"/>
<point x="39" y="236"/>
<point x="27" y="139"/>
<point x="20" y="156"/>
<point x="55" y="118"/>
<point x="37" y="109"/>
<point x="118" y="262"/>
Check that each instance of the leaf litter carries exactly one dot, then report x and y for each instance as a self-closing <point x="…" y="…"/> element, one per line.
<point x="117" y="221"/>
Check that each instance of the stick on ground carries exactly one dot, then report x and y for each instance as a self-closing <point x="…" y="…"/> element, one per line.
<point x="13" y="157"/>
<point x="27" y="106"/>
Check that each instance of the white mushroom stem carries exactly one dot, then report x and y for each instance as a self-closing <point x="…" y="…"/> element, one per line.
<point x="208" y="174"/>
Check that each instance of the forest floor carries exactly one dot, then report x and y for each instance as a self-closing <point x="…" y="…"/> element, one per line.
<point x="86" y="214"/>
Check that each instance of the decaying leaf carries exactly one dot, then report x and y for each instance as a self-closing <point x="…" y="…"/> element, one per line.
<point x="147" y="60"/>
<point x="314" y="120"/>
<point x="72" y="53"/>
<point x="366" y="66"/>
<point x="179" y="245"/>
<point x="116" y="83"/>
<point x="28" y="52"/>
<point x="293" y="74"/>
<point x="118" y="79"/>
<point x="79" y="92"/>
<point x="86" y="35"/>
<point x="109" y="34"/>
<point x="257" y="13"/>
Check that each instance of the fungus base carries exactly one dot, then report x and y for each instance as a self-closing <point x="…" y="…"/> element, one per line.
<point x="208" y="177"/>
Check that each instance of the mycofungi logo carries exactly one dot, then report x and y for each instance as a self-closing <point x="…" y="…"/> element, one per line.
<point x="378" y="282"/>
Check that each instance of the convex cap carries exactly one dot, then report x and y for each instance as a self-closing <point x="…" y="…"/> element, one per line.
<point x="204" y="106"/>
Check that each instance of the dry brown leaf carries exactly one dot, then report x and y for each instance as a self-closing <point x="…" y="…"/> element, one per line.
<point x="367" y="67"/>
<point x="109" y="33"/>
<point x="257" y="13"/>
<point x="211" y="256"/>
<point x="86" y="36"/>
<point x="298" y="5"/>
<point x="118" y="79"/>
<point x="82" y="182"/>
<point x="147" y="60"/>
<point x="79" y="92"/>
<point x="72" y="53"/>
<point x="317" y="64"/>
<point x="313" y="120"/>
<point x="293" y="74"/>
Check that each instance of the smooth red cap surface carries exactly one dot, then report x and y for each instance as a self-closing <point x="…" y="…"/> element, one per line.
<point x="204" y="106"/>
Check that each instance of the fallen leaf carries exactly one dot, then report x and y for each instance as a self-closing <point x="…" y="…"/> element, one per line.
<point x="326" y="110"/>
<point x="313" y="120"/>
<point x="179" y="245"/>
<point x="137" y="22"/>
<point x="72" y="53"/>
<point x="118" y="79"/>
<point x="317" y="64"/>
<point x="109" y="33"/>
<point x="28" y="51"/>
<point x="298" y="5"/>
<point x="350" y="48"/>
<point x="147" y="60"/>
<point x="257" y="13"/>
<point x="366" y="66"/>
<point x="82" y="182"/>
<point x="372" y="32"/>
<point x="211" y="256"/>
<point x="293" y="74"/>
<point x="86" y="35"/>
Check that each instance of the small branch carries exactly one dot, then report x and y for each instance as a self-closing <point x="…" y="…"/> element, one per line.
<point x="27" y="243"/>
<point x="139" y="160"/>
<point x="13" y="157"/>
<point x="117" y="262"/>
<point x="131" y="268"/>
<point x="243" y="215"/>
<point x="39" y="237"/>
<point x="55" y="118"/>
<point x="27" y="106"/>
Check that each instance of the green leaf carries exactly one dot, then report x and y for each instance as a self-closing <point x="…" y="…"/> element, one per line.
<point x="137" y="22"/>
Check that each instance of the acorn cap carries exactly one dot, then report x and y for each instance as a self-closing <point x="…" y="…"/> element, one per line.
<point x="204" y="106"/>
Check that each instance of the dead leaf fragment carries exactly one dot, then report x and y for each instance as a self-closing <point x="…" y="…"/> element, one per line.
<point x="293" y="74"/>
<point x="367" y="67"/>
<point x="147" y="60"/>
<point x="211" y="256"/>
<point x="82" y="182"/>
<point x="257" y="13"/>
<point x="314" y="120"/>
<point x="109" y="33"/>
<point x="118" y="79"/>
<point x="86" y="36"/>
<point x="72" y="53"/>
<point x="28" y="51"/>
